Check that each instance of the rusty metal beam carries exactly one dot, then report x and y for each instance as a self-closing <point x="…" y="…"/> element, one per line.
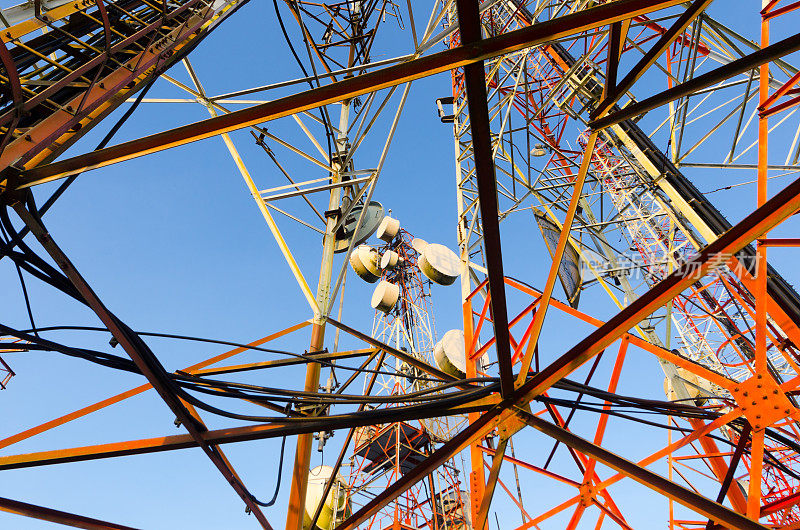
<point x="469" y="21"/>
<point x="147" y="363"/>
<point x="491" y="483"/>
<point x="533" y="35"/>
<point x="57" y="516"/>
<point x="232" y="435"/>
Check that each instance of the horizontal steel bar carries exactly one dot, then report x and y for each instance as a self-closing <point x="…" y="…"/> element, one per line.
<point x="232" y="435"/>
<point x="533" y="35"/>
<point x="315" y="189"/>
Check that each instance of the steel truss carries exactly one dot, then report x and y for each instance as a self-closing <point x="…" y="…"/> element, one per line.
<point x="690" y="288"/>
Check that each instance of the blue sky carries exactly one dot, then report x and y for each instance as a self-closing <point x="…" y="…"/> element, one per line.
<point x="173" y="243"/>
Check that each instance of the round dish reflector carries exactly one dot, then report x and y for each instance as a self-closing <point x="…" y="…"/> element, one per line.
<point x="364" y="261"/>
<point x="439" y="264"/>
<point x="388" y="229"/>
<point x="385" y="296"/>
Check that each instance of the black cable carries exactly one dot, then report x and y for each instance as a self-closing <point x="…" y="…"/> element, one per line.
<point x="314" y="395"/>
<point x="435" y="408"/>
<point x="323" y="362"/>
<point x="233" y="390"/>
<point x="105" y="359"/>
<point x="49" y="274"/>
<point x="22" y="284"/>
<point x="277" y="483"/>
<point x="328" y="132"/>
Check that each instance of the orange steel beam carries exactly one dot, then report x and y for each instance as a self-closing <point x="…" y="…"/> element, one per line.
<point x="57" y="516"/>
<point x="491" y="484"/>
<point x="563" y="239"/>
<point x="229" y="435"/>
<point x="477" y="482"/>
<point x="511" y="496"/>
<point x="311" y="357"/>
<point x="778" y="208"/>
<point x="684" y="496"/>
<point x="531" y="467"/>
<point x="33" y="431"/>
<point x="295" y="511"/>
<point x="460" y="56"/>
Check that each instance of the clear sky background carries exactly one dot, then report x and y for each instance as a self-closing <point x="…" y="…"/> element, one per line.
<point x="174" y="243"/>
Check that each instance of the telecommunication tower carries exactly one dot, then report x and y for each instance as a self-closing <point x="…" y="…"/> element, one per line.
<point x="404" y="268"/>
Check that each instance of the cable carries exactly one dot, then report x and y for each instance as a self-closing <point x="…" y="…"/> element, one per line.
<point x="22" y="284"/>
<point x="277" y="482"/>
<point x="436" y="408"/>
<point x="328" y="132"/>
<point x="105" y="359"/>
<point x="323" y="362"/>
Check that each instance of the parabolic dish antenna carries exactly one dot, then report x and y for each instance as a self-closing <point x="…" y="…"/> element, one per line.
<point x="336" y="507"/>
<point x="450" y="354"/>
<point x="418" y="244"/>
<point x="388" y="229"/>
<point x="364" y="261"/>
<point x="385" y="296"/>
<point x="439" y="264"/>
<point x="372" y="219"/>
